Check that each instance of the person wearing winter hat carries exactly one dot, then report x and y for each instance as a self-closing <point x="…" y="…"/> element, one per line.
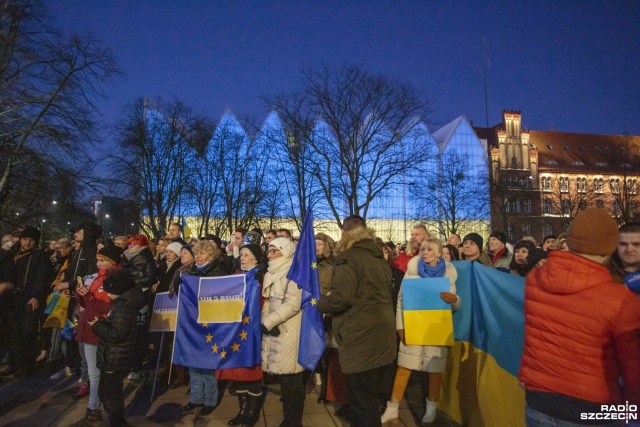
<point x="582" y="330"/>
<point x="498" y="252"/>
<point x="281" y="324"/>
<point x="95" y="303"/>
<point x="625" y="260"/>
<point x="118" y="341"/>
<point x="472" y="245"/>
<point x="31" y="274"/>
<point x="248" y="381"/>
<point x="548" y="242"/>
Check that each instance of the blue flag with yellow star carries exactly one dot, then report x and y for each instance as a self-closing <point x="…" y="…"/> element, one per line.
<point x="223" y="344"/>
<point x="305" y="273"/>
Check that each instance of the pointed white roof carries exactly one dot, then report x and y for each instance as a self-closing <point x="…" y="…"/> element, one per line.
<point x="444" y="134"/>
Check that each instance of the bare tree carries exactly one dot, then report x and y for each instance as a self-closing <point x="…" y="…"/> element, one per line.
<point x="360" y="132"/>
<point x="454" y="197"/>
<point x="157" y="143"/>
<point x="47" y="84"/>
<point x="625" y="162"/>
<point x="568" y="196"/>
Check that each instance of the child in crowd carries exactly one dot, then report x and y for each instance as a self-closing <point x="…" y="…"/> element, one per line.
<point x="117" y="335"/>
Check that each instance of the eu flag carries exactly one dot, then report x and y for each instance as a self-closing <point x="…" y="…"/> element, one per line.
<point x="217" y="345"/>
<point x="304" y="272"/>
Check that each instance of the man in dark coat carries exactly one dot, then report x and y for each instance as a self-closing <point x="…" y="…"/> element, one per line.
<point x="31" y="280"/>
<point x="363" y="323"/>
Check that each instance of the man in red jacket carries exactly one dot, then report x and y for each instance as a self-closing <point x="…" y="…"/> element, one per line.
<point x="418" y="235"/>
<point x="582" y="331"/>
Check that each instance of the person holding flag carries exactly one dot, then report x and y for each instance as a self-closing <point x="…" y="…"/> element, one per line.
<point x="281" y="324"/>
<point x="363" y="322"/>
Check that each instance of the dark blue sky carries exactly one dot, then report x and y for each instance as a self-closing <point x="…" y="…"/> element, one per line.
<point x="567" y="65"/>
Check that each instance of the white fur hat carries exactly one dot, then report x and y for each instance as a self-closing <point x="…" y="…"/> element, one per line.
<point x="284" y="245"/>
<point x="175" y="247"/>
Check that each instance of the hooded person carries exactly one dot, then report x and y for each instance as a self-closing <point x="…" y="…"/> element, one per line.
<point x="582" y="330"/>
<point x="525" y="257"/>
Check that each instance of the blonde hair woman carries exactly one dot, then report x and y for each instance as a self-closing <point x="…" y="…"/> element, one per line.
<point x="429" y="358"/>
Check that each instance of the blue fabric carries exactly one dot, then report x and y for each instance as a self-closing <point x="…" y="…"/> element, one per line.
<point x="536" y="418"/>
<point x="425" y="270"/>
<point x="89" y="356"/>
<point x="491" y="316"/>
<point x="217" y="345"/>
<point x="304" y="272"/>
<point x="633" y="281"/>
<point x="204" y="386"/>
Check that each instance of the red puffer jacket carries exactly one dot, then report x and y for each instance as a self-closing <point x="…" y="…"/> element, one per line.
<point x="96" y="304"/>
<point x="579" y="337"/>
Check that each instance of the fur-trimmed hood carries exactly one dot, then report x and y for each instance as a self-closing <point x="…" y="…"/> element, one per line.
<point x="352" y="237"/>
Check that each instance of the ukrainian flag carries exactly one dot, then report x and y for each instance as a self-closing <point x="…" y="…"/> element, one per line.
<point x="165" y="313"/>
<point x="221" y="299"/>
<point x="427" y="318"/>
<point x="480" y="385"/>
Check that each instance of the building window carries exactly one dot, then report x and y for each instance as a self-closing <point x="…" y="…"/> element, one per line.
<point x="564" y="184"/>
<point x="583" y="205"/>
<point x="633" y="207"/>
<point x="546" y="183"/>
<point x="516" y="205"/>
<point x="616" y="208"/>
<point x="614" y="184"/>
<point x="509" y="231"/>
<point x="565" y="227"/>
<point x="599" y="203"/>
<point x="527" y="206"/>
<point x="526" y="229"/>
<point x="632" y="188"/>
<point x="507" y="206"/>
<point x="581" y="185"/>
<point x="547" y="206"/>
<point x="548" y="229"/>
<point x="598" y="185"/>
<point x="566" y="207"/>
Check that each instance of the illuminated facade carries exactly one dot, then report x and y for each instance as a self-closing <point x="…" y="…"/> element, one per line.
<point x="541" y="179"/>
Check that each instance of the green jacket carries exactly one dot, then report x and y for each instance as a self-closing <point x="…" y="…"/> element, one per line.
<point x="361" y="304"/>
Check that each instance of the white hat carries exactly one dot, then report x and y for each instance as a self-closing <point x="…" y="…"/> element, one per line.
<point x="284" y="245"/>
<point x="174" y="247"/>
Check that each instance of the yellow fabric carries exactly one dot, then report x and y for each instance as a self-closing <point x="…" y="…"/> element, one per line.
<point x="400" y="383"/>
<point x="220" y="311"/>
<point x="428" y="327"/>
<point x="164" y="321"/>
<point x="475" y="389"/>
<point x="58" y="316"/>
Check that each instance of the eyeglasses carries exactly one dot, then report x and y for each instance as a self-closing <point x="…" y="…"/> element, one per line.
<point x="131" y="245"/>
<point x="273" y="251"/>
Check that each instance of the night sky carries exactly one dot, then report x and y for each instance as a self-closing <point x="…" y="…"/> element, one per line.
<point x="567" y="65"/>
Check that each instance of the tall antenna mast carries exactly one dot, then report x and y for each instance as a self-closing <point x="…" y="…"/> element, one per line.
<point x="485" y="57"/>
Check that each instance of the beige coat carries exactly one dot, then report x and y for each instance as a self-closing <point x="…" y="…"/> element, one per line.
<point x="429" y="358"/>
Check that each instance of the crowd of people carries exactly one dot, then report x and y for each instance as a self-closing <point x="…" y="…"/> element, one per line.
<point x="582" y="316"/>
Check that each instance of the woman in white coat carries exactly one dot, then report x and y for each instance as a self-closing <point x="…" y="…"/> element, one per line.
<point x="432" y="359"/>
<point x="281" y="321"/>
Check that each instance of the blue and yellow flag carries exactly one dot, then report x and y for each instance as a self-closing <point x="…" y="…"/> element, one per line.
<point x="218" y="345"/>
<point x="489" y="339"/>
<point x="304" y="272"/>
<point x="186" y="231"/>
<point x="165" y="313"/>
<point x="427" y="318"/>
<point x="221" y="299"/>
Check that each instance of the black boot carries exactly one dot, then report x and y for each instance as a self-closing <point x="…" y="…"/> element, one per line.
<point x="252" y="414"/>
<point x="239" y="419"/>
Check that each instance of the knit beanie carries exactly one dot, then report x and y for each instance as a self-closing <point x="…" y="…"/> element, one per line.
<point x="284" y="245"/>
<point x="175" y="247"/>
<point x="215" y="239"/>
<point x="118" y="282"/>
<point x="475" y="238"/>
<point x="111" y="253"/>
<point x="593" y="232"/>
<point x="31" y="233"/>
<point x="255" y="250"/>
<point x="251" y="237"/>
<point x="187" y="247"/>
<point x="500" y="236"/>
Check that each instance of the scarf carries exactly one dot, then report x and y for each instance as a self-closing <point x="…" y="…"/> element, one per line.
<point x="426" y="270"/>
<point x="278" y="268"/>
<point x="129" y="254"/>
<point x="203" y="266"/>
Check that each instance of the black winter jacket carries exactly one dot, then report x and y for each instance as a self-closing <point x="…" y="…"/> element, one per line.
<point x="32" y="273"/>
<point x="117" y="332"/>
<point x="142" y="268"/>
